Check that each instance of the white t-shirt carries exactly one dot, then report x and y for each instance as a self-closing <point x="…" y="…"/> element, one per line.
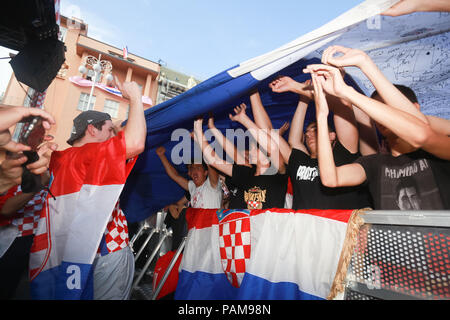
<point x="205" y="196"/>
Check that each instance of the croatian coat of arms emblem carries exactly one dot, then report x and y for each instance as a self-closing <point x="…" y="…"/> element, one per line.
<point x="234" y="242"/>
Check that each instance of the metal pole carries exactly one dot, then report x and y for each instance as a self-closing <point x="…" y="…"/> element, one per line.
<point x="169" y="269"/>
<point x="145" y="244"/>
<point x="147" y="264"/>
<point x="93" y="83"/>
<point x="141" y="228"/>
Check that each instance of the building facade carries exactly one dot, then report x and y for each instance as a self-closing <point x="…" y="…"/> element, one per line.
<point x="172" y="83"/>
<point x="70" y="92"/>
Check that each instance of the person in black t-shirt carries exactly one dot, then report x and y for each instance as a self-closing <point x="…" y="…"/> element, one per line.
<point x="258" y="187"/>
<point x="416" y="150"/>
<point x="301" y="153"/>
<point x="258" y="191"/>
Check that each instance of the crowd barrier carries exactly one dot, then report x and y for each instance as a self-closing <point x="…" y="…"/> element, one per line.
<point x="401" y="255"/>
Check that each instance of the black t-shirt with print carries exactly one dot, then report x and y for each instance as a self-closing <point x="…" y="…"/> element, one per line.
<point x="310" y="193"/>
<point x="412" y="181"/>
<point x="232" y="189"/>
<point x="257" y="192"/>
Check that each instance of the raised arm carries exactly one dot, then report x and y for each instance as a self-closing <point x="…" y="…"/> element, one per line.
<point x="170" y="169"/>
<point x="262" y="120"/>
<point x="439" y="124"/>
<point x="213" y="175"/>
<point x="368" y="140"/>
<point x="209" y="154"/>
<point x="330" y="175"/>
<point x="283" y="146"/>
<point x="344" y="123"/>
<point x="387" y="91"/>
<point x="260" y="115"/>
<point x="227" y="146"/>
<point x="403" y="124"/>
<point x="136" y="128"/>
<point x="262" y="136"/>
<point x="304" y="90"/>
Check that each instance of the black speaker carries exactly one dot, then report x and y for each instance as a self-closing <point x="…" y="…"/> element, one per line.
<point x="38" y="63"/>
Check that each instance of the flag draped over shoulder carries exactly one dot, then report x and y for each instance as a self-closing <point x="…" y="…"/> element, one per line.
<point x="86" y="183"/>
<point x="266" y="254"/>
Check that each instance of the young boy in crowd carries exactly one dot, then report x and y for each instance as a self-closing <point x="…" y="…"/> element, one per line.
<point x="301" y="153"/>
<point x="204" y="187"/>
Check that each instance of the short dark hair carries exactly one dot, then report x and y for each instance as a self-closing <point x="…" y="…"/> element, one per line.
<point x="97" y="125"/>
<point x="330" y="122"/>
<point x="406" y="91"/>
<point x="193" y="161"/>
<point x="81" y="122"/>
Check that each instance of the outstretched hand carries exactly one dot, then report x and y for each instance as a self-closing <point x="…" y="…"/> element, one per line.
<point x="319" y="96"/>
<point x="198" y="125"/>
<point x="331" y="79"/>
<point x="211" y="121"/>
<point x="239" y="113"/>
<point x="350" y="57"/>
<point x="283" y="84"/>
<point x="129" y="90"/>
<point x="287" y="84"/>
<point x="160" y="151"/>
<point x="284" y="128"/>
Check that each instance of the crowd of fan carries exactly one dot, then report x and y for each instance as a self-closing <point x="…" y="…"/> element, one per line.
<point x="347" y="167"/>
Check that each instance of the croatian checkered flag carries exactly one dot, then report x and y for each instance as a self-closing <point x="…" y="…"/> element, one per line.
<point x="269" y="254"/>
<point x="85" y="186"/>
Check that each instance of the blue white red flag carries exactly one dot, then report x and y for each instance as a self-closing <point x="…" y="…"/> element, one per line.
<point x="82" y="82"/>
<point x="86" y="183"/>
<point x="265" y="254"/>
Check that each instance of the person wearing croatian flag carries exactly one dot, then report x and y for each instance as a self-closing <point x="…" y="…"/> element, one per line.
<point x="81" y="250"/>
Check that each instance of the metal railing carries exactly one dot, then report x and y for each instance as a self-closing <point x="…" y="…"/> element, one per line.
<point x="401" y="255"/>
<point x="398" y="255"/>
<point x="154" y="228"/>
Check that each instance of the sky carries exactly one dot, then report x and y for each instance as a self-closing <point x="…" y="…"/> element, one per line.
<point x="198" y="37"/>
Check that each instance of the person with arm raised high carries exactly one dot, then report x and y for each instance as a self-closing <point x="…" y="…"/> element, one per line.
<point x="301" y="153"/>
<point x="383" y="173"/>
<point x="257" y="187"/>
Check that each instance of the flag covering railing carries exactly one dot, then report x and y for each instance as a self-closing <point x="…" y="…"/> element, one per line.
<point x="266" y="254"/>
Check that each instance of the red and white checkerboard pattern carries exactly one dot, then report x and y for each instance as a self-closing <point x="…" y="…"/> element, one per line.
<point x="116" y="233"/>
<point x="253" y="204"/>
<point x="29" y="214"/>
<point x="234" y="241"/>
